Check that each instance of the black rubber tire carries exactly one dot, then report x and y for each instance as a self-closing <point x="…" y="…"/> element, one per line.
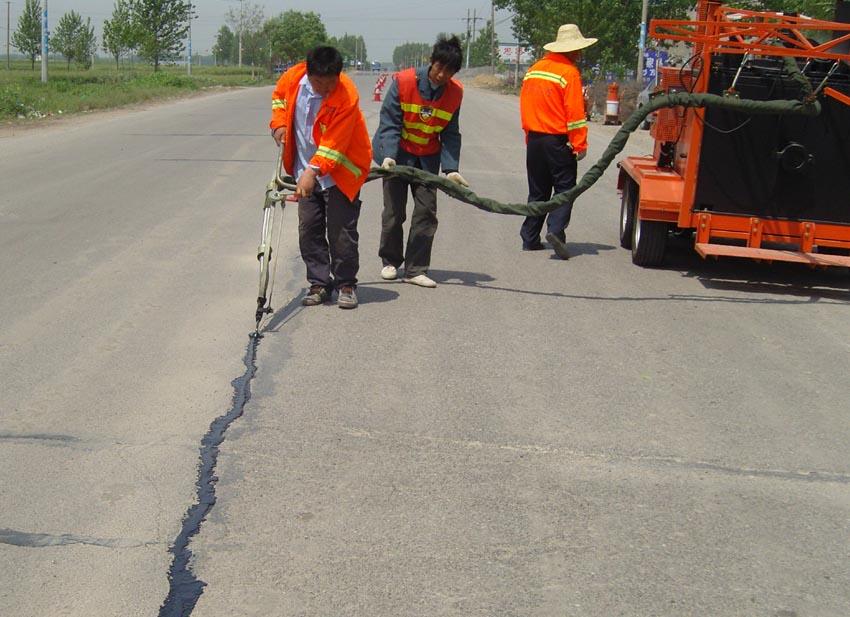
<point x="649" y="242"/>
<point x="628" y="204"/>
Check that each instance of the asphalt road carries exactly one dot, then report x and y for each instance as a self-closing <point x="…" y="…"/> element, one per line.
<point x="532" y="437"/>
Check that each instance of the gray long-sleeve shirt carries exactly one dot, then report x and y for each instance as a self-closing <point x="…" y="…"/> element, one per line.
<point x="385" y="143"/>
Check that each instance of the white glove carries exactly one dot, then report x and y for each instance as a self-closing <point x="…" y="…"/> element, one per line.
<point x="581" y="155"/>
<point x="388" y="163"/>
<point x="457" y="178"/>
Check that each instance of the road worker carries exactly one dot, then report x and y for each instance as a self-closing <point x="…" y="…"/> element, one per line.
<point x="553" y="118"/>
<point x="316" y="116"/>
<point x="418" y="127"/>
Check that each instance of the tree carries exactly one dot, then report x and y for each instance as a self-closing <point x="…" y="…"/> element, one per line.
<point x="64" y="39"/>
<point x="352" y="47"/>
<point x="293" y="33"/>
<point x="162" y="26"/>
<point x="255" y="48"/>
<point x="246" y="21"/>
<point x="616" y="23"/>
<point x="483" y="49"/>
<point x="411" y="54"/>
<point x="225" y="45"/>
<point x="86" y="44"/>
<point x="119" y="34"/>
<point x="27" y="38"/>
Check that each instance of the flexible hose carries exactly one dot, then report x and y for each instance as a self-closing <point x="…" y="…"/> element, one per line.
<point x="537" y="208"/>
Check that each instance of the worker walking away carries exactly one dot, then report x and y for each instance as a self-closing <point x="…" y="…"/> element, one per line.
<point x="316" y="116"/>
<point x="553" y="118"/>
<point x="418" y="127"/>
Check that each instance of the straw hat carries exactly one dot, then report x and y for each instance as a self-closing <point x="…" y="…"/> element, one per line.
<point x="569" y="39"/>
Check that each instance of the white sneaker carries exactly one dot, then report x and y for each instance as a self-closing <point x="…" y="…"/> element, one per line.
<point x="421" y="280"/>
<point x="389" y="273"/>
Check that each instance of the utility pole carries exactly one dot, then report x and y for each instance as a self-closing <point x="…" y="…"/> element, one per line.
<point x="642" y="41"/>
<point x="241" y="26"/>
<point x="189" y="63"/>
<point x="44" y="44"/>
<point x="467" y="38"/>
<point x="493" y="37"/>
<point x="8" y="19"/>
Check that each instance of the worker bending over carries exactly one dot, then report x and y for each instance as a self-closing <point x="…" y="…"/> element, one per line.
<point x="418" y="127"/>
<point x="316" y="116"/>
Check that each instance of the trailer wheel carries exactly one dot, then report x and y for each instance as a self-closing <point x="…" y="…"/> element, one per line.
<point x="649" y="241"/>
<point x="627" y="212"/>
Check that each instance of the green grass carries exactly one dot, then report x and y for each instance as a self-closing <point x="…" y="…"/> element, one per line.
<point x="23" y="96"/>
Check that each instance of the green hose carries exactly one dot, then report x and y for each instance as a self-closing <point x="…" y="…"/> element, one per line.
<point x="537" y="208"/>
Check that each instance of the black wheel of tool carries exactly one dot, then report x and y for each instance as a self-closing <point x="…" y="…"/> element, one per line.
<point x="649" y="241"/>
<point x="628" y="205"/>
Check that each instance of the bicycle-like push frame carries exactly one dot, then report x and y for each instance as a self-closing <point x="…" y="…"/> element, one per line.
<point x="280" y="189"/>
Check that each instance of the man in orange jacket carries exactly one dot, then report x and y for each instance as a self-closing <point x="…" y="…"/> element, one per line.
<point x="553" y="118"/>
<point x="316" y="117"/>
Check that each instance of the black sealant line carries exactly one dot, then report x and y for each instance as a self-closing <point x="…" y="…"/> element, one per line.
<point x="184" y="587"/>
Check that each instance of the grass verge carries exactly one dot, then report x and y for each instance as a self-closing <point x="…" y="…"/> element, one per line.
<point x="24" y="97"/>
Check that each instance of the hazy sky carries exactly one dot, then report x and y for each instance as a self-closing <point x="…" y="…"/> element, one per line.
<point x="383" y="23"/>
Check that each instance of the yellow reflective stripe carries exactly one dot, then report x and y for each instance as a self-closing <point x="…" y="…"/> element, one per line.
<point x="414" y="138"/>
<point x="553" y="77"/>
<point x="340" y="158"/>
<point x="578" y="124"/>
<point x="425" y="128"/>
<point x="438" y="113"/>
<point x="278" y="103"/>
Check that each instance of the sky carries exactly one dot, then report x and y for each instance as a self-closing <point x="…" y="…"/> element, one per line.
<point x="384" y="24"/>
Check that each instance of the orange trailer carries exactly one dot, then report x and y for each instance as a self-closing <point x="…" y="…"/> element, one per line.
<point x="772" y="188"/>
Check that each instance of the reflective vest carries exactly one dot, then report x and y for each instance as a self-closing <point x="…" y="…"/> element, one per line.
<point x="551" y="100"/>
<point x="422" y="121"/>
<point x="343" y="147"/>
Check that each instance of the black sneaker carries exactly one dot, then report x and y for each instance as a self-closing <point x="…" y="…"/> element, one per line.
<point x="317" y="295"/>
<point x="347" y="298"/>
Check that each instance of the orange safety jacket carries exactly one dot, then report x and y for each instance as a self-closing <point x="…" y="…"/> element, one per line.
<point x="423" y="121"/>
<point x="343" y="147"/>
<point x="551" y="100"/>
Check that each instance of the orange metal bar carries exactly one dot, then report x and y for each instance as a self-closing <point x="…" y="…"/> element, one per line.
<point x="838" y="96"/>
<point x="811" y="259"/>
<point x="754" y="240"/>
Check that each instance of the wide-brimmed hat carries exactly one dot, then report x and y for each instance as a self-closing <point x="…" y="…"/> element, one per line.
<point x="569" y="39"/>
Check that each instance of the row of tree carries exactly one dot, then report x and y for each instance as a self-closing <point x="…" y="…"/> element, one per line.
<point x="616" y="23"/>
<point x="249" y="38"/>
<point x="480" y="48"/>
<point x="153" y="29"/>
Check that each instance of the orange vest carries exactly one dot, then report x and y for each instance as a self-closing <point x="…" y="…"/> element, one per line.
<point x="422" y="121"/>
<point x="551" y="100"/>
<point x="343" y="147"/>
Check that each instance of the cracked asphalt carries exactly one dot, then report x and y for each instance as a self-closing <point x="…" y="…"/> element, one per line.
<point x="532" y="437"/>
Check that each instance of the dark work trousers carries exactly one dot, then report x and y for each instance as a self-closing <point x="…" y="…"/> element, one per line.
<point x="550" y="164"/>
<point x="423" y="226"/>
<point x="327" y="237"/>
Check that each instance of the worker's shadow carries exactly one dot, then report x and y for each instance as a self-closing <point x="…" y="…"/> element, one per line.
<point x="457" y="277"/>
<point x="577" y="249"/>
<point x="366" y="294"/>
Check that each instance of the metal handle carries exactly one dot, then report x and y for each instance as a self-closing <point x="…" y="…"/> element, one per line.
<point x="282" y="182"/>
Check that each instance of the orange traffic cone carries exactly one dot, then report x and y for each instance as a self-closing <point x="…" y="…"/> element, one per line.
<point x="377" y="96"/>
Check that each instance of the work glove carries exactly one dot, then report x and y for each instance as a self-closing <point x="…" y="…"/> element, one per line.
<point x="457" y="178"/>
<point x="581" y="155"/>
<point x="388" y="163"/>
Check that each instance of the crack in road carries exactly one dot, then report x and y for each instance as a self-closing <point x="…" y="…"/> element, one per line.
<point x="184" y="587"/>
